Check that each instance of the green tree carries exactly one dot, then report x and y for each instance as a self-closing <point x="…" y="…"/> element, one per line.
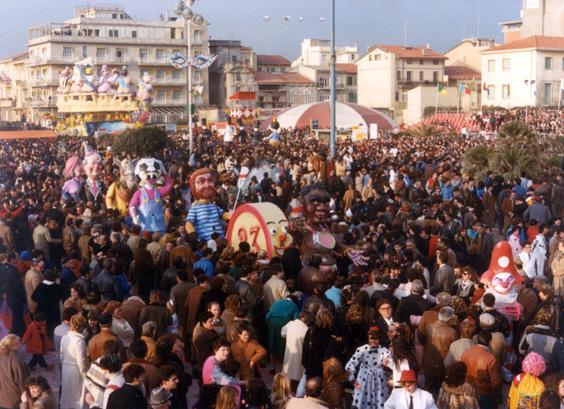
<point x="140" y="142"/>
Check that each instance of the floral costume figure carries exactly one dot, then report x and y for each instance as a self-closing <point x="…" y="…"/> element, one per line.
<point x="73" y="174"/>
<point x="205" y="217"/>
<point x="371" y="389"/>
<point x="146" y="205"/>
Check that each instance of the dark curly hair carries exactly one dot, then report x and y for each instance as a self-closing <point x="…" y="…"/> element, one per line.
<point x="455" y="374"/>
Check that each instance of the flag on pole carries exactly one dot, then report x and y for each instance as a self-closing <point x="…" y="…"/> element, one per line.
<point x="441" y="89"/>
<point x="485" y="88"/>
<point x="467" y="90"/>
<point x="461" y="88"/>
<point x="242" y="177"/>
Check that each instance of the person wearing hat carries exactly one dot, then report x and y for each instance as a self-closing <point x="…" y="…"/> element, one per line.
<point x="96" y="344"/>
<point x="160" y="398"/>
<point x="526" y="388"/>
<point x="539" y="337"/>
<point x="409" y="396"/>
<point x="487" y="323"/>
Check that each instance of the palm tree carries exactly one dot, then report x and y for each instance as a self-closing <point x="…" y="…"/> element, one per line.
<point x="422" y="130"/>
<point x="476" y="160"/>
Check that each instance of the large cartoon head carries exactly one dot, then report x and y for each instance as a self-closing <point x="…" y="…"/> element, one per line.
<point x="127" y="173"/>
<point x="502" y="275"/>
<point x="73" y="168"/>
<point x="92" y="163"/>
<point x="316" y="204"/>
<point x="149" y="170"/>
<point x="202" y="184"/>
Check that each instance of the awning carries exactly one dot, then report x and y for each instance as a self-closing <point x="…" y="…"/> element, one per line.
<point x="44" y="133"/>
<point x="168" y="110"/>
<point x="242" y="95"/>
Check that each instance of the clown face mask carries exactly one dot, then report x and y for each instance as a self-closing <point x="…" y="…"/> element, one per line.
<point x="204" y="186"/>
<point x="149" y="171"/>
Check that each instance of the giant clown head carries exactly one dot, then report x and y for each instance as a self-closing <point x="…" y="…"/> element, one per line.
<point x="502" y="275"/>
<point x="202" y="184"/>
<point x="73" y="168"/>
<point x="149" y="171"/>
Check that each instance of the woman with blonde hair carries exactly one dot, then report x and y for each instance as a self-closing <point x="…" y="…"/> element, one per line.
<point x="281" y="391"/>
<point x="13" y="372"/>
<point x="74" y="364"/>
<point x="228" y="398"/>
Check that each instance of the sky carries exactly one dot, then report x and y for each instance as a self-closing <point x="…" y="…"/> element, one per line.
<point x="439" y="23"/>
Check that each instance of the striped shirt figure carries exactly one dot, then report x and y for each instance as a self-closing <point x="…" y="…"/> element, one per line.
<point x="206" y="219"/>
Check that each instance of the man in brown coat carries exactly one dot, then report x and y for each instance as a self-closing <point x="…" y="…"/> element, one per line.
<point x="193" y="298"/>
<point x="96" y="344"/>
<point x="131" y="310"/>
<point x="432" y="315"/>
<point x="438" y="338"/>
<point x="483" y="372"/>
<point x="152" y="377"/>
<point x="32" y="278"/>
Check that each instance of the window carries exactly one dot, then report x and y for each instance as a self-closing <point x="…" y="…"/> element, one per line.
<point x="161" y="95"/>
<point x="160" y="55"/>
<point x="351" y="80"/>
<point x="421" y="76"/>
<point x="505" y="91"/>
<point x="176" y="74"/>
<point x="67" y="52"/>
<point x="84" y="51"/>
<point x="506" y="64"/>
<point x="491" y="65"/>
<point x="491" y="91"/>
<point x="409" y="75"/>
<point x="134" y="34"/>
<point x="435" y="76"/>
<point x="547" y="63"/>
<point x="237" y="76"/>
<point x="436" y="62"/>
<point x="397" y="96"/>
<point x="160" y="75"/>
<point x="100" y="54"/>
<point x="196" y="77"/>
<point x="197" y="36"/>
<point x="548" y="93"/>
<point x="120" y="54"/>
<point x="369" y="58"/>
<point x="143" y="54"/>
<point x="378" y="57"/>
<point x="234" y="59"/>
<point x="352" y="97"/>
<point x="323" y="82"/>
<point x="409" y="61"/>
<point x="113" y="33"/>
<point x="114" y="16"/>
<point x="563" y="64"/>
<point x="97" y="33"/>
<point x="398" y="75"/>
<point x="421" y="62"/>
<point x="176" y="95"/>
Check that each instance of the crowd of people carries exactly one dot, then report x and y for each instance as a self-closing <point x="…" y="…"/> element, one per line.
<point x="541" y="120"/>
<point x="173" y="320"/>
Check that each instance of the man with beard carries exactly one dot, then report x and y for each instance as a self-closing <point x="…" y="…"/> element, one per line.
<point x="204" y="216"/>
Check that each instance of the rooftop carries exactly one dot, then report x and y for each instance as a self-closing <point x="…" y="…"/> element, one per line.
<point x="269" y="78"/>
<point x="535" y="42"/>
<point x="409" y="52"/>
<point x="461" y="72"/>
<point x="263" y="59"/>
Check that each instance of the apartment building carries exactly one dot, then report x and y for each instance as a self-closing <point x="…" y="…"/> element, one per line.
<point x="387" y="72"/>
<point x="110" y="36"/>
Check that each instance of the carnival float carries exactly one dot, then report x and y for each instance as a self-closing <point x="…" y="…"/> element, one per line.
<point x="107" y="101"/>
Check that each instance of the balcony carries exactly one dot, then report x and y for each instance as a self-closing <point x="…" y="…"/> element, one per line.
<point x="41" y="103"/>
<point x="71" y="33"/>
<point x="169" y="82"/>
<point x="43" y="82"/>
<point x="154" y="61"/>
<point x="61" y="59"/>
<point x="93" y="102"/>
<point x="7" y="102"/>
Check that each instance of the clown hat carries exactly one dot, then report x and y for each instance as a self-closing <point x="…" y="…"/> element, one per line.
<point x="501" y="262"/>
<point x="408" y="376"/>
<point x="296" y="209"/>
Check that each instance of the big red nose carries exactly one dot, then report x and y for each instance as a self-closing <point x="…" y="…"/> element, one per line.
<point x="282" y="237"/>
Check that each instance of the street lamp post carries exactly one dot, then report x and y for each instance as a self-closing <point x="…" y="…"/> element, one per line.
<point x="333" y="140"/>
<point x="183" y="10"/>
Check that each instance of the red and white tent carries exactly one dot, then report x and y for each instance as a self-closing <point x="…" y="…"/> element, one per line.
<point x="347" y="116"/>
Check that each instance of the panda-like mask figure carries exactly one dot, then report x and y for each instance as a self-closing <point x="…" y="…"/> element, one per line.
<point x="149" y="171"/>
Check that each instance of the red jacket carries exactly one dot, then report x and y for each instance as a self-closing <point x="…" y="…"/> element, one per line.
<point x="35" y="339"/>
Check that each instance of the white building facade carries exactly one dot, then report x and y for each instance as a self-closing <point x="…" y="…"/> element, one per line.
<point x="525" y="72"/>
